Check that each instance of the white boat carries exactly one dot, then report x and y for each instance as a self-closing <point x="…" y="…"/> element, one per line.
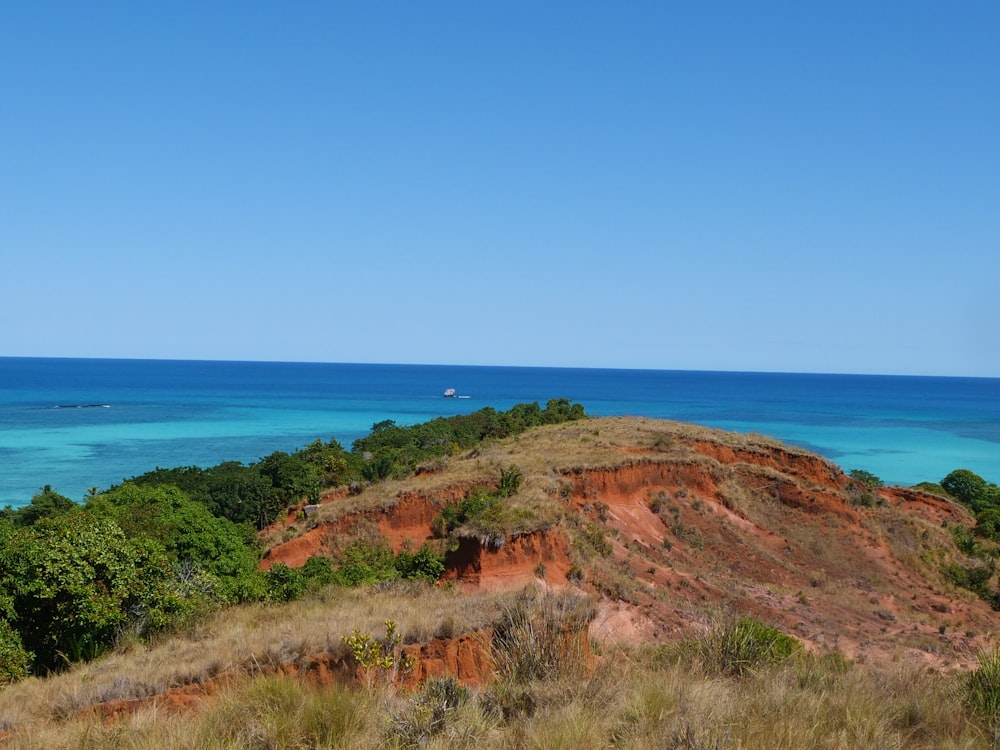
<point x="450" y="393"/>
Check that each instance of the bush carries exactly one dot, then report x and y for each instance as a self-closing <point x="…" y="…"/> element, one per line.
<point x="426" y="714"/>
<point x="318" y="572"/>
<point x="488" y="517"/>
<point x="381" y="660"/>
<point x="510" y="481"/>
<point x="745" y="646"/>
<point x="75" y="582"/>
<point x="967" y="486"/>
<point x="15" y="661"/>
<point x="541" y="636"/>
<point x="362" y="564"/>
<point x="424" y="564"/>
<point x="187" y="531"/>
<point x="284" y="584"/>
<point x="866" y="478"/>
<point x="981" y="692"/>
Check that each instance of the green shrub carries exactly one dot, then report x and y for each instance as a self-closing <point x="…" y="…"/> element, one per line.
<point x="426" y="713"/>
<point x="743" y="647"/>
<point x="988" y="523"/>
<point x="541" y="636"/>
<point x="510" y="481"/>
<point x="424" y="564"/>
<point x="968" y="487"/>
<point x="866" y="478"/>
<point x="318" y="572"/>
<point x="73" y="583"/>
<point x="980" y="692"/>
<point x="187" y="531"/>
<point x="15" y="661"/>
<point x="486" y="516"/>
<point x="284" y="584"/>
<point x="964" y="540"/>
<point x="362" y="564"/>
<point x="381" y="660"/>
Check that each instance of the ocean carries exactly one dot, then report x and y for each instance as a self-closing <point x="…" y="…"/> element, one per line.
<point x="75" y="424"/>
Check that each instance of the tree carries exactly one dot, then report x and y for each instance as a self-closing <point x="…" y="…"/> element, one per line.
<point x="188" y="533"/>
<point x="866" y="478"/>
<point x="967" y="486"/>
<point x="47" y="503"/>
<point x="75" y="581"/>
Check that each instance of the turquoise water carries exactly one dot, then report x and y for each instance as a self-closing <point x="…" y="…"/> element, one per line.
<point x="119" y="418"/>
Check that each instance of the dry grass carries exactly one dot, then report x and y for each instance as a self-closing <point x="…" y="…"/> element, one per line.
<point x="634" y="698"/>
<point x="248" y="637"/>
<point x="544" y="454"/>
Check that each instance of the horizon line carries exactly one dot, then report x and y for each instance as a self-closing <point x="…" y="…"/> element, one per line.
<point x="692" y="370"/>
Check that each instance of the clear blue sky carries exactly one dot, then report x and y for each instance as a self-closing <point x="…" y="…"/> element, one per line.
<point x="778" y="186"/>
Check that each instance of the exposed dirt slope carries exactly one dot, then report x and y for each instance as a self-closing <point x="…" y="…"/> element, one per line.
<point x="671" y="524"/>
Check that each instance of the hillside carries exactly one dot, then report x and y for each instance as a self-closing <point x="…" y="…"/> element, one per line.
<point x="659" y="530"/>
<point x="669" y="524"/>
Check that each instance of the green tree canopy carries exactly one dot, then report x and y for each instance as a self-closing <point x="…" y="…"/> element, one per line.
<point x="190" y="535"/>
<point x="971" y="489"/>
<point x="75" y="581"/>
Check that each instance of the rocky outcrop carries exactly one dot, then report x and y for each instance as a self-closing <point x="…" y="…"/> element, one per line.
<point x="466" y="657"/>
<point x="541" y="555"/>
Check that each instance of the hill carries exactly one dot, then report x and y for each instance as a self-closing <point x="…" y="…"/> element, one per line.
<point x="634" y="539"/>
<point x="668" y="524"/>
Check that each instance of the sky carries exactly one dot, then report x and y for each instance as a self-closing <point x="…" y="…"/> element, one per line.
<point x="749" y="186"/>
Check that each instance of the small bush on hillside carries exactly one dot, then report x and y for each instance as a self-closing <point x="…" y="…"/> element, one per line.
<point x="71" y="584"/>
<point x="427" y="712"/>
<point x="487" y="515"/>
<point x="510" y="481"/>
<point x="541" y="636"/>
<point x="981" y="693"/>
<point x="746" y="646"/>
<point x="318" y="571"/>
<point x="737" y="648"/>
<point x="425" y="564"/>
<point x="866" y="478"/>
<point x="380" y="659"/>
<point x="362" y="564"/>
<point x="971" y="489"/>
<point x="284" y="584"/>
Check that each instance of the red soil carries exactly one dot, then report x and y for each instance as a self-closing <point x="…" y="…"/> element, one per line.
<point x="465" y="657"/>
<point x="539" y="556"/>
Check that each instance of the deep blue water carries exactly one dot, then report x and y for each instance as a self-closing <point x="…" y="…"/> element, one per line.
<point x="140" y="414"/>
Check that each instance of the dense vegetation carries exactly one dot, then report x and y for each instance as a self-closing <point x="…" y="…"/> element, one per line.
<point x="172" y="544"/>
<point x="982" y="543"/>
<point x="260" y="492"/>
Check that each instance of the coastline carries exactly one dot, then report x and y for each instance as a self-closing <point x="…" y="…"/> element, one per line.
<point x="167" y="413"/>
